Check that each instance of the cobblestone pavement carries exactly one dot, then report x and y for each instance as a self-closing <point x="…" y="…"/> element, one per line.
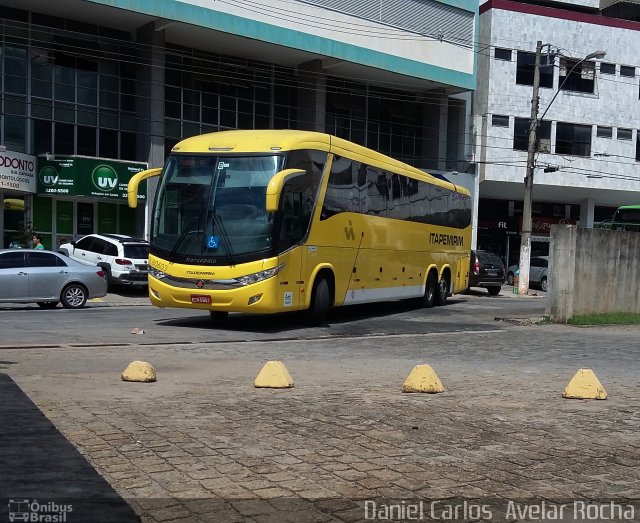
<point x="202" y="444"/>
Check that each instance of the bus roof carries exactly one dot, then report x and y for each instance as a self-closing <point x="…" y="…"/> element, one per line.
<point x="272" y="140"/>
<point x="634" y="207"/>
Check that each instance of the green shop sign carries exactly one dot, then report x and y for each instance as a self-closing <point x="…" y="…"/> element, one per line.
<point x="83" y="176"/>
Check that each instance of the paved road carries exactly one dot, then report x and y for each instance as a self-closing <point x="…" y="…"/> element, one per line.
<point x="202" y="444"/>
<point x="110" y="320"/>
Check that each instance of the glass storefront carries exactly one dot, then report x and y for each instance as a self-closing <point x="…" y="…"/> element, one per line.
<point x="14" y="221"/>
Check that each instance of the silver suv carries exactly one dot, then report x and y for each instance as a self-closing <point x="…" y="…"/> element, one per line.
<point x="124" y="259"/>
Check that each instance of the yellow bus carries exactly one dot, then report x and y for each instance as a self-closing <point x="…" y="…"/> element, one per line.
<point x="272" y="221"/>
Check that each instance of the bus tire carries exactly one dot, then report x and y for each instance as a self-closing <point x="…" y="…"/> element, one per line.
<point x="430" y="289"/>
<point x="443" y="290"/>
<point x="320" y="301"/>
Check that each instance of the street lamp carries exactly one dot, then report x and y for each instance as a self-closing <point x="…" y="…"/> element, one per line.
<point x="525" y="239"/>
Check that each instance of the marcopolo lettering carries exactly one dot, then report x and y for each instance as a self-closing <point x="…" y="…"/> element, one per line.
<point x="446" y="239"/>
<point x="17" y="163"/>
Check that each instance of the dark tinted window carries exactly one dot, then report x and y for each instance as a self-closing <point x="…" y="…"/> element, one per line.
<point x="606" y="68"/>
<point x="502" y="54"/>
<point x="521" y="135"/>
<point x="296" y="204"/>
<point x="135" y="251"/>
<point x="498" y="120"/>
<point x="573" y="139"/>
<point x="361" y="188"/>
<point x="577" y="75"/>
<point x="525" y="68"/>
<point x="11" y="260"/>
<point x="86" y="244"/>
<point x="488" y="257"/>
<point x="539" y="262"/>
<point x="627" y="70"/>
<point x="627" y="216"/>
<point x="625" y="134"/>
<point x="99" y="246"/>
<point x="110" y="249"/>
<point x="44" y="259"/>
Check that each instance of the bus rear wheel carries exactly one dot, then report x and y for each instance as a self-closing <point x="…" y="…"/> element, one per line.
<point x="320" y="301"/>
<point x="443" y="290"/>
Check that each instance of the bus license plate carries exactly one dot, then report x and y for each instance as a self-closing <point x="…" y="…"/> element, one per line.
<point x="199" y="298"/>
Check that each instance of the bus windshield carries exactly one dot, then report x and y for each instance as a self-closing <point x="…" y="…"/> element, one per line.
<point x="211" y="209"/>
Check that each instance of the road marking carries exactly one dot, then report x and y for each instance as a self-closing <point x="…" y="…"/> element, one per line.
<point x="266" y="340"/>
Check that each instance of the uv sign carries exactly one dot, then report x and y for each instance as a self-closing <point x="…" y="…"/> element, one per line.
<point x="104" y="178"/>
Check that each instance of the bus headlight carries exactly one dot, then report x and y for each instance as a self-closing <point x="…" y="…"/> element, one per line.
<point x="260" y="276"/>
<point x="158" y="275"/>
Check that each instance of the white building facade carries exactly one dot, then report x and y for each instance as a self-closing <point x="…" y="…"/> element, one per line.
<point x="124" y="80"/>
<point x="588" y="143"/>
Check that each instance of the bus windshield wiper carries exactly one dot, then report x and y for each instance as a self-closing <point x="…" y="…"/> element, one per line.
<point x="183" y="235"/>
<point x="217" y="219"/>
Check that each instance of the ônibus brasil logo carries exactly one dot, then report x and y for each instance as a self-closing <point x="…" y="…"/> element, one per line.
<point x="48" y="176"/>
<point x="104" y="178"/>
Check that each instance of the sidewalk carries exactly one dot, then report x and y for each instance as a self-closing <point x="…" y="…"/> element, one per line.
<point x="202" y="444"/>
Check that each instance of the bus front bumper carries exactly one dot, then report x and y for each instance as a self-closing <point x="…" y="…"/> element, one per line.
<point x="261" y="297"/>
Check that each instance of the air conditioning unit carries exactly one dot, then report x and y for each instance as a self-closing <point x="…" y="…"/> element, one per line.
<point x="544" y="146"/>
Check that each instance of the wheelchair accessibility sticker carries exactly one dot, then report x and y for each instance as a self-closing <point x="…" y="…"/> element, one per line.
<point x="213" y="242"/>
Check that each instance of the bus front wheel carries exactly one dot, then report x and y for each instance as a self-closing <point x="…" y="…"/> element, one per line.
<point x="320" y="301"/>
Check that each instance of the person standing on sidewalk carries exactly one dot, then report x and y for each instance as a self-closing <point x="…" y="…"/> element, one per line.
<point x="37" y="241"/>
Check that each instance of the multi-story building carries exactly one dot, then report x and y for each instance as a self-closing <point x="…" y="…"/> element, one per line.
<point x="124" y="80"/>
<point x="588" y="141"/>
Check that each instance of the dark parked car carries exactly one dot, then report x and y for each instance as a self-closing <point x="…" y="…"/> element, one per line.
<point x="487" y="270"/>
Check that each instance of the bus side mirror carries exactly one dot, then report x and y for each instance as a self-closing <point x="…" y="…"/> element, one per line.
<point x="275" y="187"/>
<point x="134" y="182"/>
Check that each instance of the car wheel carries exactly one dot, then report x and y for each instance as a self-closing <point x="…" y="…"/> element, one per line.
<point x="443" y="291"/>
<point x="320" y="301"/>
<point x="48" y="304"/>
<point x="510" y="278"/>
<point x="218" y="316"/>
<point x="493" y="291"/>
<point x="74" y="296"/>
<point x="543" y="283"/>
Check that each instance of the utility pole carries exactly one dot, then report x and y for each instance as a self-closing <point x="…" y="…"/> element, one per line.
<point x="525" y="237"/>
